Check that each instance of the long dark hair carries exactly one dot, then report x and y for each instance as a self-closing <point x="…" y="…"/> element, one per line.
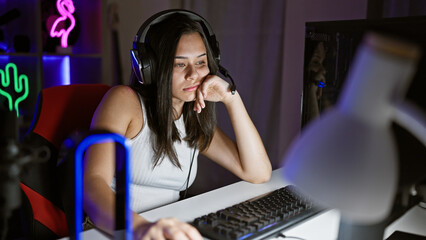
<point x="163" y="38"/>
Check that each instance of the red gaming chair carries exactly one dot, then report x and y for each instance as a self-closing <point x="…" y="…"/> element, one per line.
<point x="60" y="111"/>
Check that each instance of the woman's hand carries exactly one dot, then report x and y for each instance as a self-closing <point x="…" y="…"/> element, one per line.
<point x="212" y="89"/>
<point x="167" y="228"/>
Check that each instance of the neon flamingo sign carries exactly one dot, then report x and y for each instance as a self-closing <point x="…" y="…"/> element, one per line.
<point x="66" y="9"/>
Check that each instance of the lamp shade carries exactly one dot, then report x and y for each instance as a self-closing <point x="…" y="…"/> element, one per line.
<point x="346" y="164"/>
<point x="347" y="158"/>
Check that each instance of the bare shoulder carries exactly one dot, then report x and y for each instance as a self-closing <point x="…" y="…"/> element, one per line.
<point x="122" y="93"/>
<point x="119" y="111"/>
<point x="119" y="99"/>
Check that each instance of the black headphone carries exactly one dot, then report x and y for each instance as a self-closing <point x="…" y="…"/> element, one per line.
<point x="140" y="55"/>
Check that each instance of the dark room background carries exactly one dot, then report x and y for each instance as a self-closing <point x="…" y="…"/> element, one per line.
<point x="261" y="43"/>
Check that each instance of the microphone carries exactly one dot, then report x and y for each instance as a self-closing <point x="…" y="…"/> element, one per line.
<point x="13" y="156"/>
<point x="225" y="73"/>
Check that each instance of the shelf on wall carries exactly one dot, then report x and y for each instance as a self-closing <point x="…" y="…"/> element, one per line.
<point x="27" y="43"/>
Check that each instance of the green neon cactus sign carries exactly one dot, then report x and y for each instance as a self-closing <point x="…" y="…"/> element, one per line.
<point x="20" y="86"/>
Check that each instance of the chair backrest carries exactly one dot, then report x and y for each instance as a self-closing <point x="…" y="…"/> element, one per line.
<point x="60" y="111"/>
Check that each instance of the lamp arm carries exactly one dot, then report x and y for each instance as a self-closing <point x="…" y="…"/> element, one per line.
<point x="412" y="118"/>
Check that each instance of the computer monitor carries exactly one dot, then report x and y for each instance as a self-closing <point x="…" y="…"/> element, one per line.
<point x="330" y="48"/>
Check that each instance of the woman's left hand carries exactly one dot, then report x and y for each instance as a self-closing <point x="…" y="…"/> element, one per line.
<point x="212" y="89"/>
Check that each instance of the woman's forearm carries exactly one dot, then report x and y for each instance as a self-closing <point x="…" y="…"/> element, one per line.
<point x="254" y="160"/>
<point x="99" y="204"/>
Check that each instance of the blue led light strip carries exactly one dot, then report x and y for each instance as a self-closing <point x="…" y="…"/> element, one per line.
<point x="66" y="71"/>
<point x="120" y="162"/>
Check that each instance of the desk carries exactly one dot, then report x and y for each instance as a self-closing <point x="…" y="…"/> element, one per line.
<point x="321" y="227"/>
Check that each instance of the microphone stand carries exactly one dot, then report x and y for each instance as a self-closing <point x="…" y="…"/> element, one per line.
<point x="13" y="156"/>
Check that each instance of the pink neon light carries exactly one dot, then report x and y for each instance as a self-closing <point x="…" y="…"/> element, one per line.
<point x="66" y="9"/>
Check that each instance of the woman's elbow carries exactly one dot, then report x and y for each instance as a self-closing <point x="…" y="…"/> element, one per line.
<point x="260" y="178"/>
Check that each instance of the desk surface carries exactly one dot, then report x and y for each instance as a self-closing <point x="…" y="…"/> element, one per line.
<point x="321" y="227"/>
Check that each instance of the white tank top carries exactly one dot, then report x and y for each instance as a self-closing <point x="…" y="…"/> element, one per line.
<point x="153" y="187"/>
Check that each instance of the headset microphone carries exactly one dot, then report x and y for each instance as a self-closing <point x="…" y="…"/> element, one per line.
<point x="226" y="74"/>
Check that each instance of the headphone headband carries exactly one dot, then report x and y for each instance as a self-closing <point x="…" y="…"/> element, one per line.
<point x="159" y="17"/>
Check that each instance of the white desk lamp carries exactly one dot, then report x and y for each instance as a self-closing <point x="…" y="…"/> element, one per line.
<point x="347" y="157"/>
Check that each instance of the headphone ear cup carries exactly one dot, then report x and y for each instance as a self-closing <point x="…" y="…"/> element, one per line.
<point x="214" y="46"/>
<point x="141" y="64"/>
<point x="136" y="65"/>
<point x="146" y="64"/>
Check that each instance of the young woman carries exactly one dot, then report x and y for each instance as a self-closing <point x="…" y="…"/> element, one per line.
<point x="170" y="121"/>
